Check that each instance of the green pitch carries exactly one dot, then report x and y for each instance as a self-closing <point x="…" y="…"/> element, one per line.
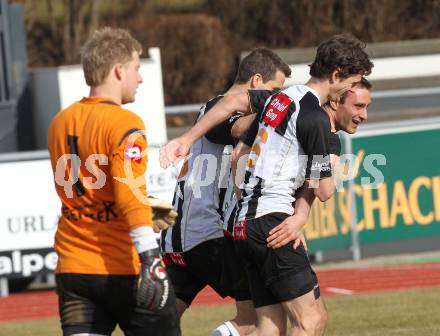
<point x="402" y="313"/>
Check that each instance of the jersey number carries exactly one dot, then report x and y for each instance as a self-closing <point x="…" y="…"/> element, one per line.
<point x="256" y="148"/>
<point x="72" y="141"/>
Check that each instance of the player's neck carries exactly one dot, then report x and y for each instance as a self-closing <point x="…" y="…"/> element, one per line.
<point x="332" y="116"/>
<point x="238" y="88"/>
<point x="107" y="91"/>
<point x="321" y="87"/>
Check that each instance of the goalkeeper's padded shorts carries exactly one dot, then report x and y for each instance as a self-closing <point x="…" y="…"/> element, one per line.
<point x="97" y="303"/>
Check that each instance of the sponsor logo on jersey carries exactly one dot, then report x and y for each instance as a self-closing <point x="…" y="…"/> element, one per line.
<point x="174" y="258"/>
<point x="276" y="110"/>
<point x="321" y="166"/>
<point x="134" y="153"/>
<point x="240" y="230"/>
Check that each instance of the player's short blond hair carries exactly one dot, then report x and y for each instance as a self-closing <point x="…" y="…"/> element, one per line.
<point x="105" y="48"/>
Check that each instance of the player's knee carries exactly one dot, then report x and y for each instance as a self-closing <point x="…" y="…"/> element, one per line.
<point x="322" y="318"/>
<point x="314" y="324"/>
<point x="321" y="322"/>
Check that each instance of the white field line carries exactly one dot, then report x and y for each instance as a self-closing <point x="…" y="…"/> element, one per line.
<point x="342" y="291"/>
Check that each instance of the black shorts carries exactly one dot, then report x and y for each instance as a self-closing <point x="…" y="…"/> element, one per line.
<point x="97" y="303"/>
<point x="275" y="275"/>
<point x="214" y="263"/>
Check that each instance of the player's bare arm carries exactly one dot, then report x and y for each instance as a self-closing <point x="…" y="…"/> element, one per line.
<point x="286" y="231"/>
<point x="178" y="148"/>
<point x="325" y="188"/>
<point x="291" y="228"/>
<point x="242" y="125"/>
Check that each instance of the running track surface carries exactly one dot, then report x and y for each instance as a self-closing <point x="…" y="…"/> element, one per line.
<point x="38" y="305"/>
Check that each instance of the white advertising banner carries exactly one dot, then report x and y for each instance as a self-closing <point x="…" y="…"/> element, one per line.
<point x="30" y="206"/>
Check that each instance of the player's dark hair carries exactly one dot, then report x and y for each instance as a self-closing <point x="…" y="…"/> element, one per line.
<point x="263" y="61"/>
<point x="341" y="52"/>
<point x="363" y="83"/>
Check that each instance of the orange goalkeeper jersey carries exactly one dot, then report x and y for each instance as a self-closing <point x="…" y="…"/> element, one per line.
<point x="97" y="151"/>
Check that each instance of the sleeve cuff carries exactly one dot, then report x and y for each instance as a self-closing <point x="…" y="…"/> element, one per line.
<point x="144" y="238"/>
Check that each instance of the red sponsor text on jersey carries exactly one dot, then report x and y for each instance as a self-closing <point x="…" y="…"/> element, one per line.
<point x="276" y="109"/>
<point x="177" y="259"/>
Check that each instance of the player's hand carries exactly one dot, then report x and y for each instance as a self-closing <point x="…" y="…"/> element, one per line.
<point x="300" y="240"/>
<point x="174" y="151"/>
<point x="287" y="231"/>
<point x="153" y="286"/>
<point x="164" y="214"/>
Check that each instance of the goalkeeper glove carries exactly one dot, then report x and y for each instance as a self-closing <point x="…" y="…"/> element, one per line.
<point x="153" y="289"/>
<point x="164" y="214"/>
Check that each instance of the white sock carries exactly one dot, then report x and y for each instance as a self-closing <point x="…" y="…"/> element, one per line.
<point x="225" y="329"/>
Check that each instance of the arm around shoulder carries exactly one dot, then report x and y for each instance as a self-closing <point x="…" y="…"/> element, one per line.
<point x="326" y="188"/>
<point x="178" y="148"/>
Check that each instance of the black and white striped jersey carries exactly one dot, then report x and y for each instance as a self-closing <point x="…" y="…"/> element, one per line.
<point x="290" y="144"/>
<point x="257" y="99"/>
<point x="201" y="188"/>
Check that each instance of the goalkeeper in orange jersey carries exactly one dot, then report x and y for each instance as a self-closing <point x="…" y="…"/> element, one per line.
<point x="109" y="270"/>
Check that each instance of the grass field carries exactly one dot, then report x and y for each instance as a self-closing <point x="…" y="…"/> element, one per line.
<point x="403" y="313"/>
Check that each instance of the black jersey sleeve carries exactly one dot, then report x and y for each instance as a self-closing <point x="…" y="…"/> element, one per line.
<point x="313" y="133"/>
<point x="335" y="144"/>
<point x="257" y="101"/>
<point x="221" y="134"/>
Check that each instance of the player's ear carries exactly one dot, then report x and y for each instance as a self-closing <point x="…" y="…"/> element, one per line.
<point x="334" y="76"/>
<point x="256" y="81"/>
<point x="334" y="104"/>
<point x="118" y="70"/>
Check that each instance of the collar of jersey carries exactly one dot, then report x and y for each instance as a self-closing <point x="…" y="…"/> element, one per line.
<point x="96" y="100"/>
<point x="314" y="92"/>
